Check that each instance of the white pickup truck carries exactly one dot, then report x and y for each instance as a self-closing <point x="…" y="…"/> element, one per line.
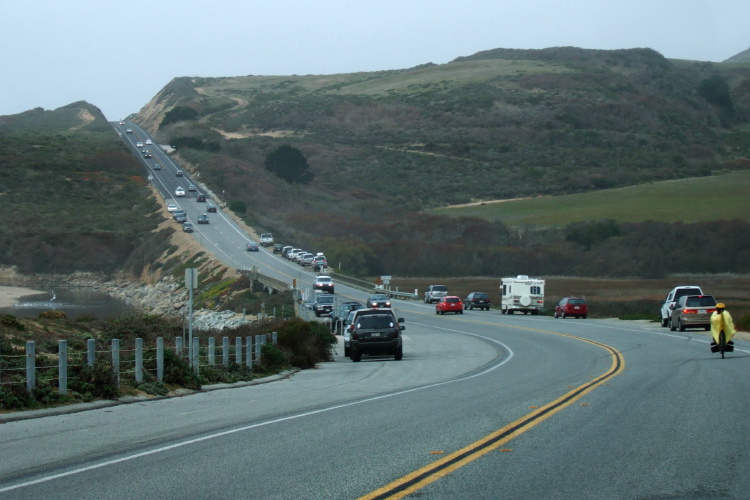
<point x="266" y="239"/>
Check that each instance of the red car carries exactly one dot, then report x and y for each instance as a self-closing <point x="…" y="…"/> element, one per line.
<point x="451" y="303"/>
<point x="572" y="306"/>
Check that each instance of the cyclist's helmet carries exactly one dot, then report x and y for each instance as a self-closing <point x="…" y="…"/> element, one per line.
<point x="720" y="305"/>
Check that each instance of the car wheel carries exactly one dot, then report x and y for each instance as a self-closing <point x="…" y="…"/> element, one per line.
<point x="399" y="353"/>
<point x="317" y="314"/>
<point x="555" y="315"/>
<point x="664" y="322"/>
<point x="584" y="316"/>
<point x="356" y="357"/>
<point x="347" y="352"/>
<point x="509" y="311"/>
<point x="680" y="325"/>
<point x="563" y="315"/>
<point x="460" y="312"/>
<point x="671" y="326"/>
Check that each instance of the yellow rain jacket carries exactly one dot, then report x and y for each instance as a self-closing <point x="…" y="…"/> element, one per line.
<point x="721" y="322"/>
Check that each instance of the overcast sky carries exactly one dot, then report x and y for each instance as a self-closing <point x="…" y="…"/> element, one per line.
<point x="118" y="55"/>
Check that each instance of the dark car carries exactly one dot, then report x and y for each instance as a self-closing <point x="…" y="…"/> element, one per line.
<point x="479" y="300"/>
<point x="201" y="199"/>
<point x="179" y="216"/>
<point x="252" y="246"/>
<point x="203" y="219"/>
<point x="378" y="300"/>
<point x="157" y="166"/>
<point x="179" y="173"/>
<point x="277" y="247"/>
<point x="323" y="304"/>
<point x="572" y="306"/>
<point x="692" y="311"/>
<point x="339" y="315"/>
<point x="211" y="208"/>
<point x="375" y="332"/>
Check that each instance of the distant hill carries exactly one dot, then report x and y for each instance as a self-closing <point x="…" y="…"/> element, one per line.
<point x="73" y="197"/>
<point x="498" y="124"/>
<point x="383" y="147"/>
<point x="742" y="57"/>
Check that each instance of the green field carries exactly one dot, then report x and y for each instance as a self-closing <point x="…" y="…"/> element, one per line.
<point x="719" y="197"/>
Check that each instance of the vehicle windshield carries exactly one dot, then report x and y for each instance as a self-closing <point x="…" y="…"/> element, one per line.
<point x="375" y="322"/>
<point x="324" y="280"/>
<point x="325" y="300"/>
<point x="379" y="296"/>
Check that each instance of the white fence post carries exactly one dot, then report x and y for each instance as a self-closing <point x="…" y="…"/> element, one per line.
<point x="211" y="351"/>
<point x="30" y="365"/>
<point x="160" y="359"/>
<point x="138" y="360"/>
<point x="225" y="351"/>
<point x="62" y="367"/>
<point x="238" y="350"/>
<point x="196" y="355"/>
<point x="178" y="346"/>
<point x="257" y="349"/>
<point x="91" y="351"/>
<point x="249" y="351"/>
<point x="116" y="359"/>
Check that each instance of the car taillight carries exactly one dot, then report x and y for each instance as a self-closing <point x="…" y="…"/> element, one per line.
<point x="710" y="311"/>
<point x="689" y="311"/>
<point x="354" y="335"/>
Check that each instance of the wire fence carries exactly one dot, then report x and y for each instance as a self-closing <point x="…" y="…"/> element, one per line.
<point x="74" y="362"/>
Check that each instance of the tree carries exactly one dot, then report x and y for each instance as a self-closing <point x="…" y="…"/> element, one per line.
<point x="715" y="90"/>
<point x="289" y="163"/>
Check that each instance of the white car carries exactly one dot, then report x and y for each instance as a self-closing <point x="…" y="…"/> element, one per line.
<point x="148" y="141"/>
<point x="139" y="144"/>
<point x="171" y="207"/>
<point x="180" y="191"/>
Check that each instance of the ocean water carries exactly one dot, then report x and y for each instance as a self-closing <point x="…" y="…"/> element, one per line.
<point x="75" y="302"/>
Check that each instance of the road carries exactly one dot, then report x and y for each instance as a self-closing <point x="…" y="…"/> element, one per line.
<point x="483" y="405"/>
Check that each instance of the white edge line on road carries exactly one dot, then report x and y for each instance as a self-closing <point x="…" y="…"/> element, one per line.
<point x="263" y="424"/>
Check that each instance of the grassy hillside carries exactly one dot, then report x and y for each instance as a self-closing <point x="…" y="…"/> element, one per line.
<point x="73" y="198"/>
<point x="383" y="148"/>
<point x="719" y="197"/>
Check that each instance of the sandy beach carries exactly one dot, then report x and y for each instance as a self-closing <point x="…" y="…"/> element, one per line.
<point x="9" y="295"/>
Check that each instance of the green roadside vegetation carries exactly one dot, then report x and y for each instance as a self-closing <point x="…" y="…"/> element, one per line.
<point x="301" y="345"/>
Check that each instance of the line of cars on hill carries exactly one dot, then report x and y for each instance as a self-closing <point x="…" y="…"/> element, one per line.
<point x="317" y="261"/>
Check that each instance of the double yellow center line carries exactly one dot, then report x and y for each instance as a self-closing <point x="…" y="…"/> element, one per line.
<point x="440" y="468"/>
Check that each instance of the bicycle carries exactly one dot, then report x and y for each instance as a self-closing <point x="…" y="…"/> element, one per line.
<point x="723" y="346"/>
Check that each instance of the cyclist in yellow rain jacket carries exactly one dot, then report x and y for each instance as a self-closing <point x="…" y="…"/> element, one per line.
<point x="721" y="320"/>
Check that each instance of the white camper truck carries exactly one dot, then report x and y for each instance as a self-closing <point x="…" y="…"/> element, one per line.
<point x="521" y="294"/>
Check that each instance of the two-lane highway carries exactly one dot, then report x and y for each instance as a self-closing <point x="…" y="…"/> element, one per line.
<point x="482" y="405"/>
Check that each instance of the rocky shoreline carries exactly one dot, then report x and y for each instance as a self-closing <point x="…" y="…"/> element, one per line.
<point x="165" y="297"/>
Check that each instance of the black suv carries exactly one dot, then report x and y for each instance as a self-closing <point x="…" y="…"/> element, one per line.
<point x="477" y="299"/>
<point x="375" y="332"/>
<point x="323" y="304"/>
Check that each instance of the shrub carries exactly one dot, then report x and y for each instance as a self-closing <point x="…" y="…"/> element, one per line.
<point x="53" y="315"/>
<point x="306" y="343"/>
<point x="12" y="321"/>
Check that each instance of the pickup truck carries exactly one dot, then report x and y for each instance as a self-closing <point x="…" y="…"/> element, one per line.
<point x="266" y="239"/>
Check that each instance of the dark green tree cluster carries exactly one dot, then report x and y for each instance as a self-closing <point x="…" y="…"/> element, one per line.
<point x="288" y="163"/>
